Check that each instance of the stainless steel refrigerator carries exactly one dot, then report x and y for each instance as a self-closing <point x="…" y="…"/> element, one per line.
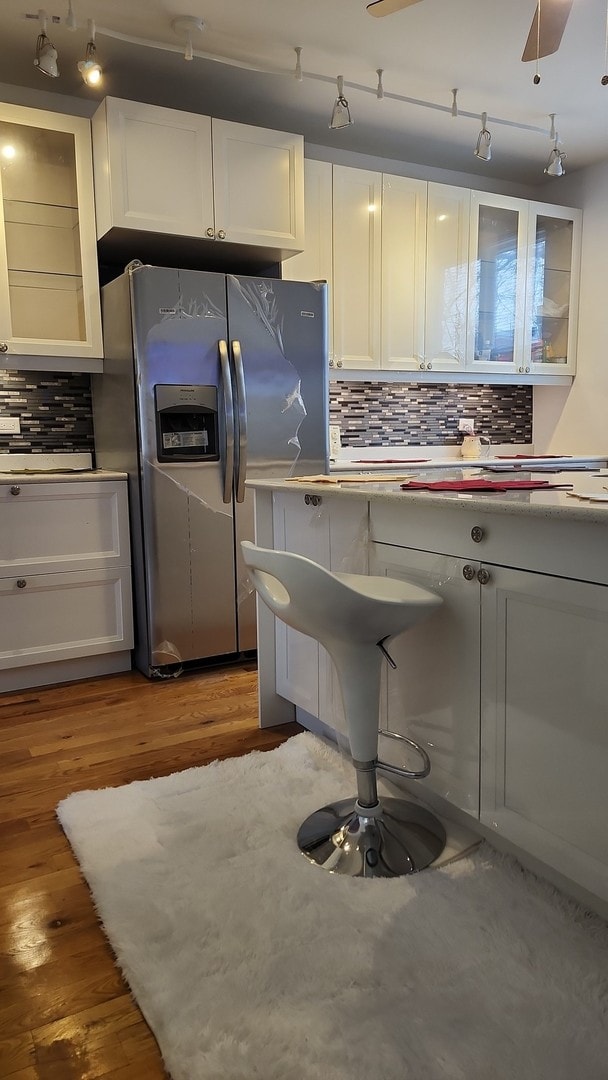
<point x="208" y="379"/>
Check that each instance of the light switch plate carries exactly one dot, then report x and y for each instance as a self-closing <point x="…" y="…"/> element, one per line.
<point x="10" y="425"/>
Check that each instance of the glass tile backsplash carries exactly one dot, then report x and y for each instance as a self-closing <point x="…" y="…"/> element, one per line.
<point x="394" y="414"/>
<point x="54" y="410"/>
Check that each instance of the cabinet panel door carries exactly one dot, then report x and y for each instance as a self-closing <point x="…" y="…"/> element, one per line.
<point x="357" y="267"/>
<point x="258" y="178"/>
<point x="544" y="730"/>
<point x="315" y="263"/>
<point x="433" y="695"/>
<point x="447" y="254"/>
<point x="403" y="270"/>
<point x="303" y="529"/>
<point x="554" y="244"/>
<point x="49" y="617"/>
<point x="49" y="290"/>
<point x="497" y="281"/>
<point x="50" y="527"/>
<point x="158" y="167"/>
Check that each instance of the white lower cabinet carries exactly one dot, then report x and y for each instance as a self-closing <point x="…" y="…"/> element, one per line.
<point x="432" y="696"/>
<point x="65" y="580"/>
<point x="338" y="541"/>
<point x="544" y="735"/>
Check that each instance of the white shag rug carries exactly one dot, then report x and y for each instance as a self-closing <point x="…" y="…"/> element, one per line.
<point x="249" y="963"/>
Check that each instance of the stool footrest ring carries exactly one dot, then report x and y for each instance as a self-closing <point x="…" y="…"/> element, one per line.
<point x="400" y="770"/>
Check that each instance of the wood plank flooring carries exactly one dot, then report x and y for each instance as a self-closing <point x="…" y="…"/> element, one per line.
<point x="65" y="1011"/>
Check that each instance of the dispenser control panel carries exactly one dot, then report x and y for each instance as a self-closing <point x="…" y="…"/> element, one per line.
<point x="186" y="423"/>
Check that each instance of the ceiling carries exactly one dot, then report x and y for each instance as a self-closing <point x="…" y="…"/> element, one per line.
<point x="425" y="51"/>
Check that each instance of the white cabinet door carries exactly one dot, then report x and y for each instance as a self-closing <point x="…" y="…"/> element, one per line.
<point x="403" y="272"/>
<point x="153" y="169"/>
<point x="50" y="617"/>
<point x="497" y="282"/>
<point x="300" y="527"/>
<point x="258" y="178"/>
<point x="315" y="263"/>
<point x="357" y="206"/>
<point x="544" y="730"/>
<point x="49" y="289"/>
<point x="447" y="256"/>
<point x="433" y="695"/>
<point x="554" y="252"/>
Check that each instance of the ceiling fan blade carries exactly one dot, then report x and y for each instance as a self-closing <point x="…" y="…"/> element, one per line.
<point x="387" y="7"/>
<point x="553" y="18"/>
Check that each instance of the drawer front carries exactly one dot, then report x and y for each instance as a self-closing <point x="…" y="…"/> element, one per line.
<point x="546" y="545"/>
<point x="48" y="617"/>
<point x="47" y="528"/>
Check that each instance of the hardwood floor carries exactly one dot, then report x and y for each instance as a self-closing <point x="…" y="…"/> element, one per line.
<point x="65" y="1012"/>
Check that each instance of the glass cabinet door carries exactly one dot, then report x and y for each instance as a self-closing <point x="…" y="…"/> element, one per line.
<point x="47" y="294"/>
<point x="553" y="256"/>
<point x="496" y="283"/>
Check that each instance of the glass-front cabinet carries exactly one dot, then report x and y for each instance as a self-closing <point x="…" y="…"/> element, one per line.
<point x="497" y="283"/>
<point x="524" y="268"/>
<point x="49" y="289"/>
<point x="553" y="249"/>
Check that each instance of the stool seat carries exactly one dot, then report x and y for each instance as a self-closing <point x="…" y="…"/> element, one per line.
<point x="352" y="616"/>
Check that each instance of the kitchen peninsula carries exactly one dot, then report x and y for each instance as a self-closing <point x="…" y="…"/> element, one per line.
<point x="506" y="686"/>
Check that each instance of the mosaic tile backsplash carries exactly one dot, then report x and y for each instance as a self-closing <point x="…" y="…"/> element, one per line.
<point x="54" y="409"/>
<point x="55" y="412"/>
<point x="394" y="414"/>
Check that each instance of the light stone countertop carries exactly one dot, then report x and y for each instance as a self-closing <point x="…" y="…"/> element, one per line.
<point x="545" y="504"/>
<point x="60" y="476"/>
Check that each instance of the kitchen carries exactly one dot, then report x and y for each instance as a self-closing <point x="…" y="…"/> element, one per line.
<point x="376" y="408"/>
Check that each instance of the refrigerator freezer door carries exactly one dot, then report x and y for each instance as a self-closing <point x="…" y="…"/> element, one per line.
<point x="279" y="330"/>
<point x="179" y="319"/>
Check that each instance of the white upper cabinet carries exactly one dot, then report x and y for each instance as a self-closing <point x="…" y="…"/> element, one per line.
<point x="315" y="263"/>
<point x="404" y="217"/>
<point x="182" y="174"/>
<point x="49" y="290"/>
<point x="553" y="272"/>
<point x="357" y="228"/>
<point x="497" y="283"/>
<point x="447" y="262"/>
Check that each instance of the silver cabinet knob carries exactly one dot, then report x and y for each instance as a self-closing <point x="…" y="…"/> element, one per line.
<point x="429" y="366"/>
<point x="15" y="489"/>
<point x="468" y="572"/>
<point x="528" y="369"/>
<point x="210" y="233"/>
<point x="331" y="363"/>
<point x="339" y="364"/>
<point x="21" y="583"/>
<point x="477" y="534"/>
<point x="3" y="346"/>
<point x="221" y="235"/>
<point x="483" y="576"/>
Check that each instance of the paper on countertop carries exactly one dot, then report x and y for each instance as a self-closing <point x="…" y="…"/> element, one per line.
<point x="354" y="478"/>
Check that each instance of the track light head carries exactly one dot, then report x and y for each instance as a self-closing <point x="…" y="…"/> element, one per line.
<point x="483" y="147"/>
<point x="90" y="68"/>
<point x="340" y="117"/>
<point x="555" y="164"/>
<point x="46" y="53"/>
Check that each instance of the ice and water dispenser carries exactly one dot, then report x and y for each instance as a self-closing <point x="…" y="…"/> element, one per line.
<point x="186" y="423"/>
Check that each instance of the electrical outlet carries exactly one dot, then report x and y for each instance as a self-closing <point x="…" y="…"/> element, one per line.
<point x="9" y="425"/>
<point x="334" y="441"/>
<point x="466" y="424"/>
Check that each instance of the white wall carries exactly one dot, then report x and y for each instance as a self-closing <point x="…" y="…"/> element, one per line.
<point x="575" y="419"/>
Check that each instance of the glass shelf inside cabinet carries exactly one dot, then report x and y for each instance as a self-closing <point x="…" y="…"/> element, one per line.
<point x="42" y="235"/>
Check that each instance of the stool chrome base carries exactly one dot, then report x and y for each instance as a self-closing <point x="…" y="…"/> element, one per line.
<point x="402" y="839"/>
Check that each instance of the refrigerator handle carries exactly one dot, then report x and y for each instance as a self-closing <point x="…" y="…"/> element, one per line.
<point x="228" y="421"/>
<point x="242" y="414"/>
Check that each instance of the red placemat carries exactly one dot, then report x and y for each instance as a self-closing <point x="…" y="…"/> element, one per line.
<point x="481" y="485"/>
<point x="389" y="461"/>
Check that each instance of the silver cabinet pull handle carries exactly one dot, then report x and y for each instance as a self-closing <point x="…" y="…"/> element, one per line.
<point x="15" y="489"/>
<point x="21" y="583"/>
<point x="228" y="421"/>
<point x="221" y="234"/>
<point x="210" y="233"/>
<point x="3" y="346"/>
<point x="241" y="399"/>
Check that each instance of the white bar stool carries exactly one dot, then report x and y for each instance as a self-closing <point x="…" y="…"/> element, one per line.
<point x="352" y="616"/>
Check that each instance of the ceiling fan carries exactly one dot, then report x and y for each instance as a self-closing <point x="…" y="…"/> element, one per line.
<point x="542" y="41"/>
